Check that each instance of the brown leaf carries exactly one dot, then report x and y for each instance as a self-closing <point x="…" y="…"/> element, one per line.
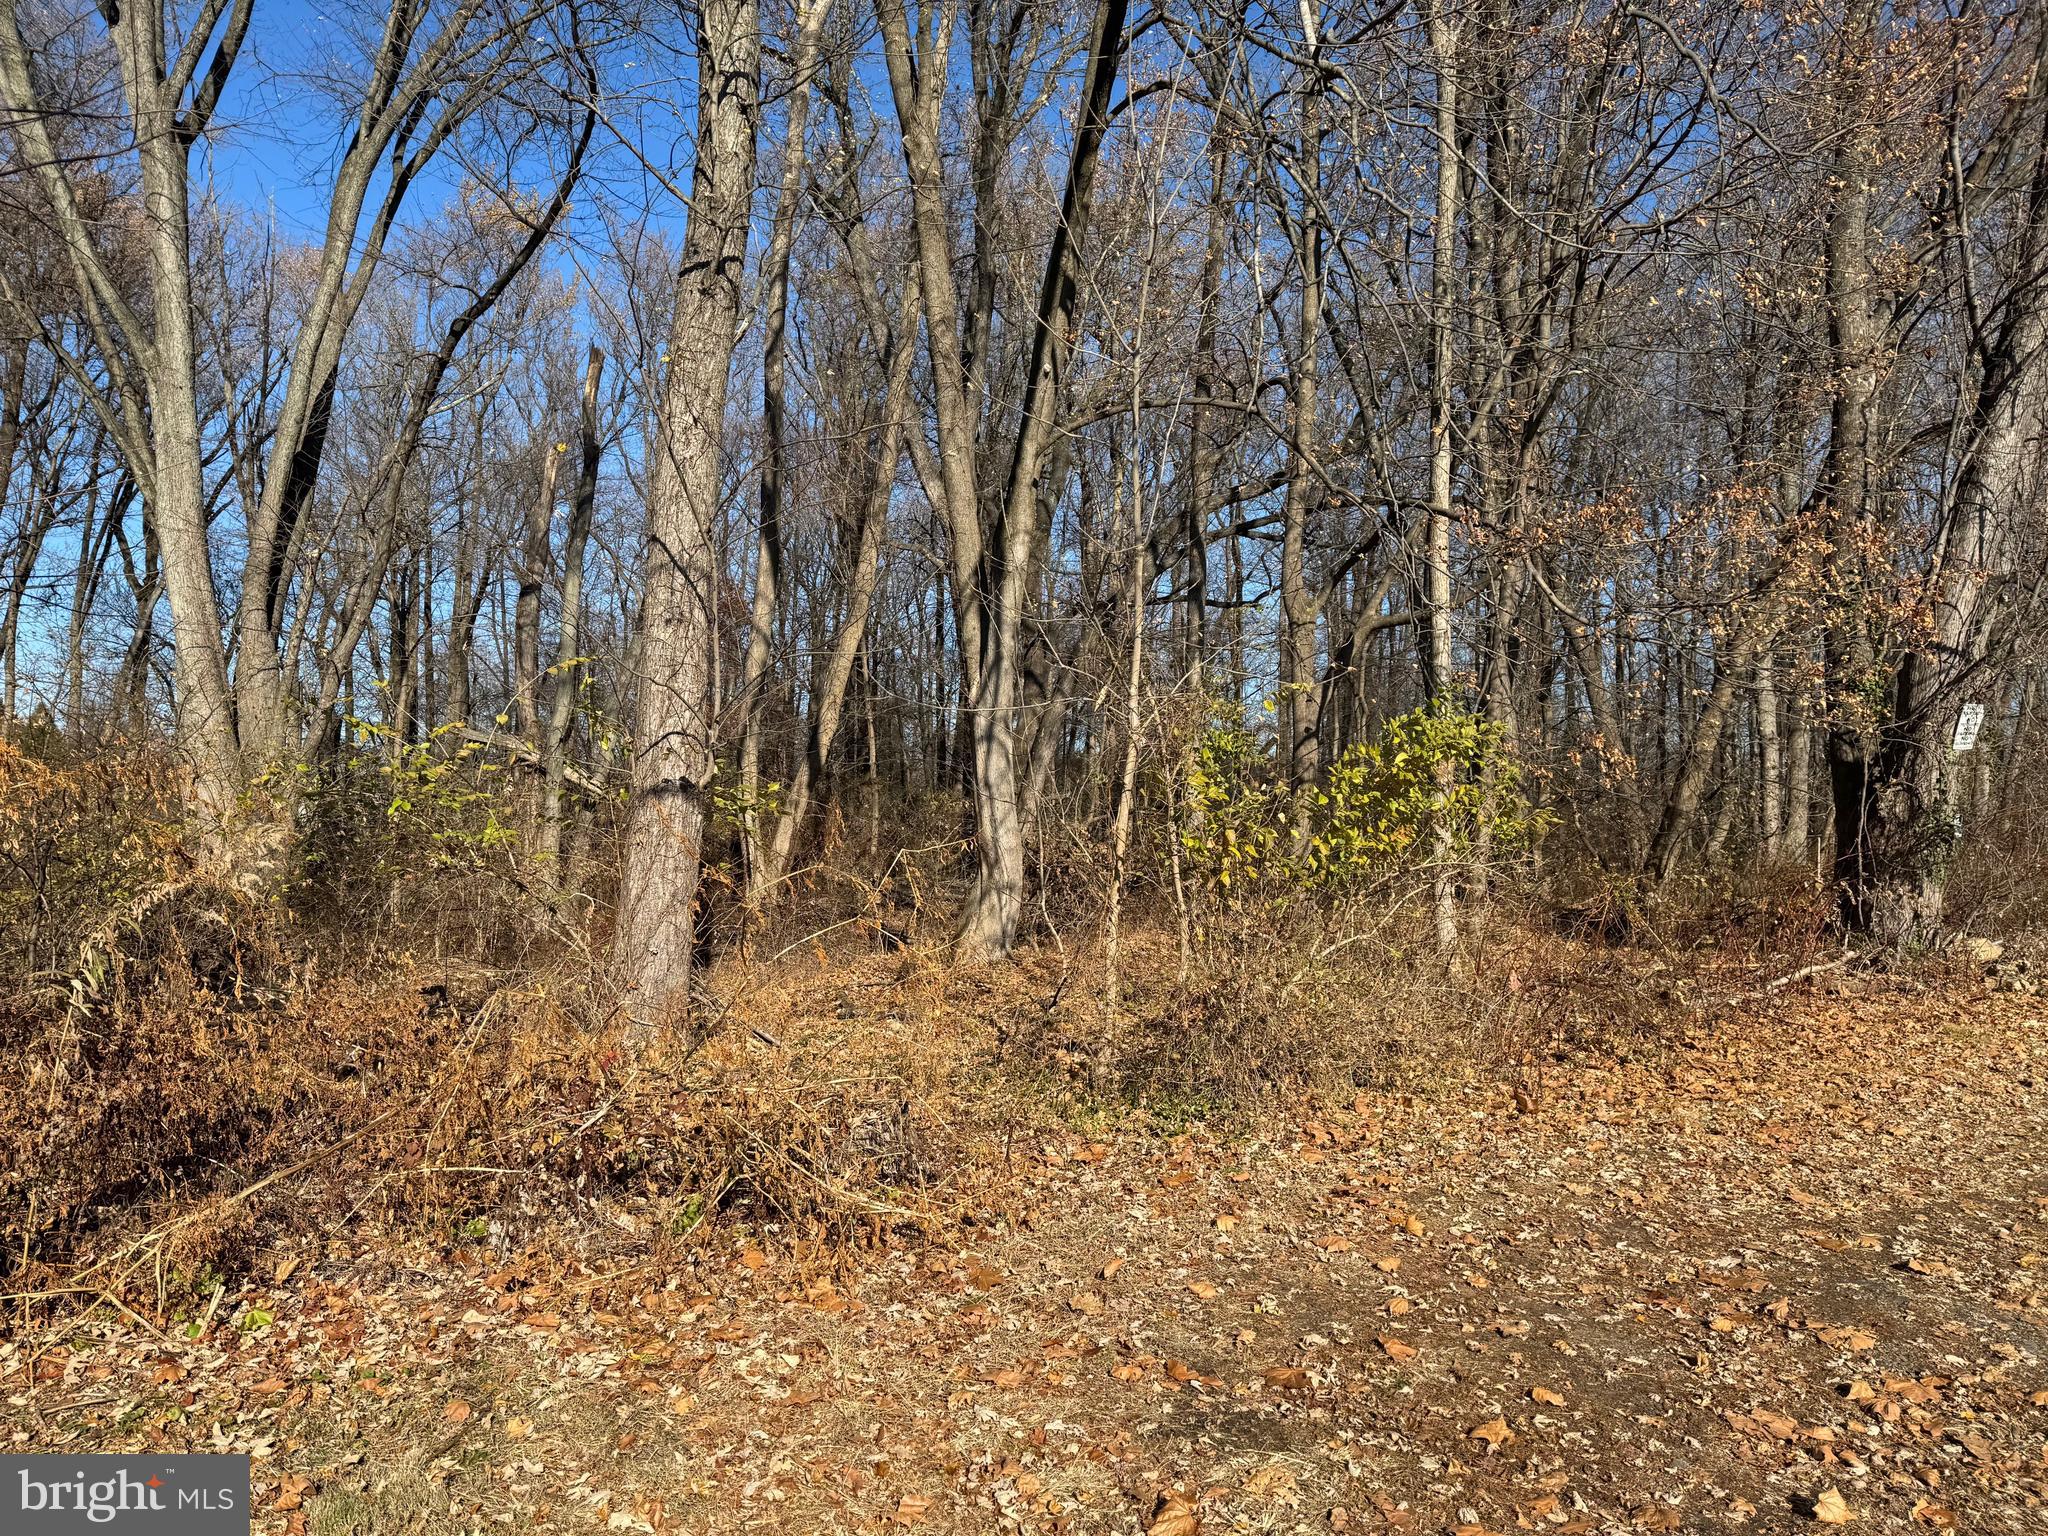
<point x="1174" y="1516"/>
<point x="457" y="1412"/>
<point x="1832" y="1509"/>
<point x="911" y="1508"/>
<point x="1272" y="1481"/>
<point x="1545" y="1396"/>
<point x="1398" y="1350"/>
<point x="1087" y="1303"/>
<point x="1288" y="1378"/>
<point x="1777" y="1425"/>
<point x="1202" y="1289"/>
<point x="1494" y="1432"/>
<point x="1975" y="1444"/>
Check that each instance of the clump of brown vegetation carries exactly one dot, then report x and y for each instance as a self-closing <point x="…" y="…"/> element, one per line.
<point x="201" y="1072"/>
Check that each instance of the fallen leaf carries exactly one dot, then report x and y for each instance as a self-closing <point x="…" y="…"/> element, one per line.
<point x="1398" y="1350"/>
<point x="910" y="1509"/>
<point x="1202" y="1289"/>
<point x="1975" y="1444"/>
<point x="1494" y="1432"/>
<point x="457" y="1412"/>
<point x="1288" y="1378"/>
<point x="1546" y="1397"/>
<point x="1273" y="1481"/>
<point x="1174" y="1516"/>
<point x="1832" y="1509"/>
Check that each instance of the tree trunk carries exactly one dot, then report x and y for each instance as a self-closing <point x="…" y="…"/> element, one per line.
<point x="1770" y="759"/>
<point x="774" y="408"/>
<point x="850" y="643"/>
<point x="568" y="669"/>
<point x="535" y="559"/>
<point x="675" y="713"/>
<point x="1299" y="701"/>
<point x="1443" y="42"/>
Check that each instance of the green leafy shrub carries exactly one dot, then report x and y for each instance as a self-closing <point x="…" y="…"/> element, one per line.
<point x="393" y="834"/>
<point x="1383" y="806"/>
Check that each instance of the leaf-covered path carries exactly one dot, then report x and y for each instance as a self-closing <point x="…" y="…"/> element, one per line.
<point x="1789" y="1271"/>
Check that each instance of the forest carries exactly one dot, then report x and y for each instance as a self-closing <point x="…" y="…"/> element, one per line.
<point x="849" y="764"/>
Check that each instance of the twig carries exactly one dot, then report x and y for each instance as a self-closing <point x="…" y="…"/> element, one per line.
<point x="213" y="1306"/>
<point x="1799" y="975"/>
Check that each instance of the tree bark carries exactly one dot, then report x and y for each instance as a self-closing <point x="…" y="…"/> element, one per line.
<point x="675" y="711"/>
<point x="1443" y="42"/>
<point x="568" y="668"/>
<point x="774" y="409"/>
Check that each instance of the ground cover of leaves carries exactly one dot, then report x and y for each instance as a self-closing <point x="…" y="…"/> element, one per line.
<point x="1780" y="1271"/>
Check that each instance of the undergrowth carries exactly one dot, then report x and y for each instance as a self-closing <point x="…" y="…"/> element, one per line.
<point x="423" y="1046"/>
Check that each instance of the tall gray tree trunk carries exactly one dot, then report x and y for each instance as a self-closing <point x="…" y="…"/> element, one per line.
<point x="810" y="23"/>
<point x="1894" y="859"/>
<point x="675" y="708"/>
<point x="1770" y="758"/>
<point x="849" y="644"/>
<point x="1443" y="42"/>
<point x="568" y="668"/>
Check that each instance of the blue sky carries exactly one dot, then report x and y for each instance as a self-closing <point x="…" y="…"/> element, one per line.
<point x="274" y="146"/>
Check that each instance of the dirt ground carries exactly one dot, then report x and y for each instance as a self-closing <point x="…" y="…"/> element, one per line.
<point x="1781" y="1271"/>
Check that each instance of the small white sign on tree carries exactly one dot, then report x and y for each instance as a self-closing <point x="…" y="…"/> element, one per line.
<point x="1968" y="724"/>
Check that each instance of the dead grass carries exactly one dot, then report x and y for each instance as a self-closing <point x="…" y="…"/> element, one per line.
<point x="202" y="1076"/>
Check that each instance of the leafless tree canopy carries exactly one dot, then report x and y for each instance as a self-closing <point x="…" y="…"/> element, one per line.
<point x="847" y="447"/>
